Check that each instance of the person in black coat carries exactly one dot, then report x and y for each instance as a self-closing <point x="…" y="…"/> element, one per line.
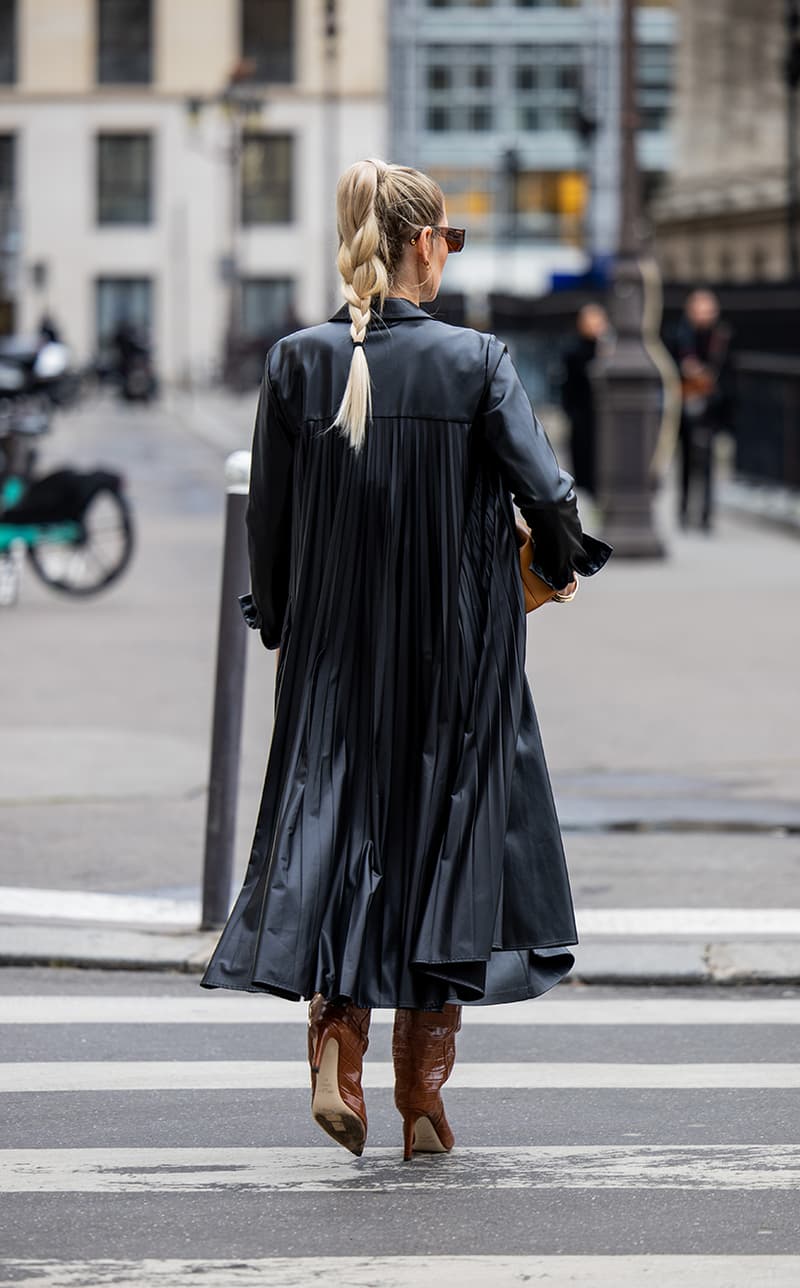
<point x="407" y="852"/>
<point x="701" y="348"/>
<point x="577" y="397"/>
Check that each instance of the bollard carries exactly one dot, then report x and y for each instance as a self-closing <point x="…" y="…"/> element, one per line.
<point x="223" y="781"/>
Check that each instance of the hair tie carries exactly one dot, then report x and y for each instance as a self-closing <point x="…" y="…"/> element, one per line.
<point x="358" y="344"/>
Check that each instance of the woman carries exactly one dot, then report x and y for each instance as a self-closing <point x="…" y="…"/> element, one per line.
<point x="407" y="852"/>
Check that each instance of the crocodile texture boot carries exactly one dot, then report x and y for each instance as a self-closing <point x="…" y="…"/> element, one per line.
<point x="424" y="1052"/>
<point x="337" y="1041"/>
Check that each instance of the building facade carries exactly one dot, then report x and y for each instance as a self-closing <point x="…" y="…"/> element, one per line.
<point x="723" y="216"/>
<point x="512" y="105"/>
<point x="132" y="189"/>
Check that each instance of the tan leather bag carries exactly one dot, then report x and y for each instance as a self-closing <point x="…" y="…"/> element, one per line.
<point x="536" y="591"/>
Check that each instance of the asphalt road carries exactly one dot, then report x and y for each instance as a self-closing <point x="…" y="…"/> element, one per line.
<point x="672" y="1153"/>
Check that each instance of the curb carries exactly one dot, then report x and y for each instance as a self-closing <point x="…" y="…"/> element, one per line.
<point x="688" y="962"/>
<point x="642" y="962"/>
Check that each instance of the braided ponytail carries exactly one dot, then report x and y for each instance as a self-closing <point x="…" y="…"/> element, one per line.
<point x="376" y="206"/>
<point x="364" y="275"/>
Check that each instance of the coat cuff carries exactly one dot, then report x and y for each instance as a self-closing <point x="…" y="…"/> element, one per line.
<point x="586" y="562"/>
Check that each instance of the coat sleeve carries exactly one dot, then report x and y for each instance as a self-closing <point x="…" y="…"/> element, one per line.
<point x="544" y="493"/>
<point x="269" y="511"/>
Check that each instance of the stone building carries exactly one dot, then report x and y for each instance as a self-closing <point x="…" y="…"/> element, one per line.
<point x="723" y="214"/>
<point x="118" y="197"/>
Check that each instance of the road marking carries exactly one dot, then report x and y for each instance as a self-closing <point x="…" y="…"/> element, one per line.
<point x="247" y="1008"/>
<point x="149" y="910"/>
<point x="144" y="1171"/>
<point x="681" y="922"/>
<point x="90" y="905"/>
<point x="411" y="1272"/>
<point x="292" y="1075"/>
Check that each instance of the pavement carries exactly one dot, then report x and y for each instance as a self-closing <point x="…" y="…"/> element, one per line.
<point x="666" y="692"/>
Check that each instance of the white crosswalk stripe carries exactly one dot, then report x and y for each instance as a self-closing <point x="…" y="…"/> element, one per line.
<point x="740" y="1169"/>
<point x="233" y="1008"/>
<point x="413" y="1272"/>
<point x="319" y="1170"/>
<point x="291" y="1075"/>
<point x="35" y="904"/>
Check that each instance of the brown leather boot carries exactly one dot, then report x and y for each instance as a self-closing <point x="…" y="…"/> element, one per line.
<point x="337" y="1041"/>
<point x="424" y="1052"/>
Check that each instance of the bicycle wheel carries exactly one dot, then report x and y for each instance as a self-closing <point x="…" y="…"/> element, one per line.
<point x="99" y="554"/>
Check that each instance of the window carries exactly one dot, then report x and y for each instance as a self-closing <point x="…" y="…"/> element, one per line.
<point x="267" y="179"/>
<point x="124" y="182"/>
<point x="122" y="300"/>
<point x="6" y="167"/>
<point x="268" y="39"/>
<point x="551" y="202"/>
<point x="654" y="85"/>
<point x="479" y="118"/>
<point x="267" y="306"/>
<point x="438" y="119"/>
<point x="124" y="42"/>
<point x="548" y="87"/>
<point x="8" y="42"/>
<point x="527" y="77"/>
<point x="457" y="81"/>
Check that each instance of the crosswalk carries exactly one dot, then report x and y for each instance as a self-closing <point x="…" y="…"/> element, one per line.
<point x="163" y="1137"/>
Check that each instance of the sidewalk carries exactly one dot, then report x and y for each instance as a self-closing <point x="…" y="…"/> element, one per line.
<point x="667" y="695"/>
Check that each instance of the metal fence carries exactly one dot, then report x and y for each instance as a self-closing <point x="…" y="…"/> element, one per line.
<point x="766" y="411"/>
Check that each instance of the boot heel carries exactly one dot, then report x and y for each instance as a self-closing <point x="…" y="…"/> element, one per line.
<point x="421" y="1137"/>
<point x="409" y="1128"/>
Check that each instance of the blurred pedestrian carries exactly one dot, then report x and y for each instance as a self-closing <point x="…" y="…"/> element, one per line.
<point x="48" y="331"/>
<point x="407" y="852"/>
<point x="577" y="397"/>
<point x="701" y="351"/>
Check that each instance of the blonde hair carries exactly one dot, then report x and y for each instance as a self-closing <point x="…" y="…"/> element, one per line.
<point x="378" y="207"/>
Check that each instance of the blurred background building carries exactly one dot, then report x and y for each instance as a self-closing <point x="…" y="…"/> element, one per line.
<point x="723" y="214"/>
<point x="512" y="105"/>
<point x="170" y="164"/>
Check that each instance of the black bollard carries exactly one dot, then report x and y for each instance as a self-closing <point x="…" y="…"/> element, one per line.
<point x="226" y="735"/>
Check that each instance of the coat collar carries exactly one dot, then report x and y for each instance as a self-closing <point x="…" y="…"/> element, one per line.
<point x="394" y="310"/>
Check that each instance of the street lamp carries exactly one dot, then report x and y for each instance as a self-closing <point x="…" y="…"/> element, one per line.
<point x="239" y="103"/>
<point x="626" y="380"/>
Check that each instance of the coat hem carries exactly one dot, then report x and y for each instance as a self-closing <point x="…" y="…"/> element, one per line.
<point x="517" y="994"/>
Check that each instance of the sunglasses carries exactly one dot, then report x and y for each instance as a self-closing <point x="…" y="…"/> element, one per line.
<point x="454" y="237"/>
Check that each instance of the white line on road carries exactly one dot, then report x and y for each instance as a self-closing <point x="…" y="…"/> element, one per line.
<point x="144" y="1171"/>
<point x="147" y="910"/>
<point x="91" y="905"/>
<point x="681" y="922"/>
<point x="247" y="1008"/>
<point x="411" y="1272"/>
<point x="291" y="1075"/>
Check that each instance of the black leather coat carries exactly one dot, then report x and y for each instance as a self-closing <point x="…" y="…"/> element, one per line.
<point x="407" y="850"/>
